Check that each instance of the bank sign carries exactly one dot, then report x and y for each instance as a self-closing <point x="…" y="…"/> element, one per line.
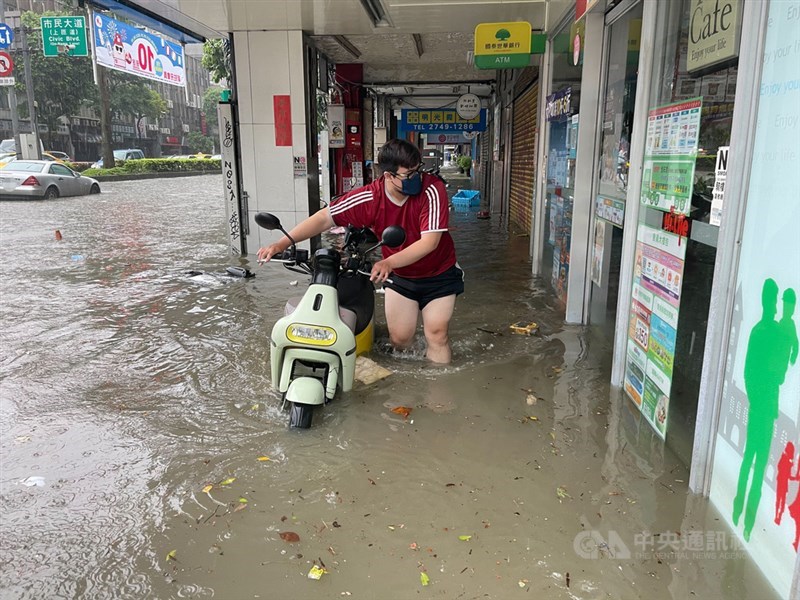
<point x="714" y="27"/>
<point x="441" y="120"/>
<point x="125" y="48"/>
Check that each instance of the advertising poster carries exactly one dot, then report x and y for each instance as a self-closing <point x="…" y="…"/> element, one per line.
<point x="653" y="322"/>
<point x="336" y="125"/>
<point x="670" y="153"/>
<point x="125" y="48"/>
<point x="597" y="254"/>
<point x="611" y="210"/>
<point x="720" y="175"/>
<point x="754" y="480"/>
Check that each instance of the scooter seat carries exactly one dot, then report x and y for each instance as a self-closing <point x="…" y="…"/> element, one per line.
<point x="345" y="314"/>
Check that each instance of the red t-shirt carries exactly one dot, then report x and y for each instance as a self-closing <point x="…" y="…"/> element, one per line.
<point x="370" y="206"/>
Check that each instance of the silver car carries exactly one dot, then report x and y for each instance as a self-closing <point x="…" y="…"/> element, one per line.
<point x="43" y="179"/>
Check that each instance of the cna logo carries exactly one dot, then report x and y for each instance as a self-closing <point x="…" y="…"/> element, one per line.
<point x="591" y="544"/>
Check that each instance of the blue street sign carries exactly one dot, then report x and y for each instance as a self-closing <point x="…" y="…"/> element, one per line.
<point x="6" y="35"/>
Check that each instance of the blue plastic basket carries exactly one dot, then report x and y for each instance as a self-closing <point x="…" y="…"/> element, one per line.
<point x="467" y="198"/>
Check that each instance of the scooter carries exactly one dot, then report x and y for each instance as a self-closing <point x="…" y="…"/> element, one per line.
<point x="313" y="347"/>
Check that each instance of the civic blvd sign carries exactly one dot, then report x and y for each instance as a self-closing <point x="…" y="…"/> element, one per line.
<point x="64" y="36"/>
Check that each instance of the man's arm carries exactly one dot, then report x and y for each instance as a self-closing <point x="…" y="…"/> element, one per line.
<point x="314" y="225"/>
<point x="419" y="249"/>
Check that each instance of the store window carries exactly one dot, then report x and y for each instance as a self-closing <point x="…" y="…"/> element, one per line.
<point x="689" y="125"/>
<point x="612" y="176"/>
<point x="562" y="113"/>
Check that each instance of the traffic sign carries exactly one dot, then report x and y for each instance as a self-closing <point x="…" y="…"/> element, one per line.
<point x="6" y="35"/>
<point x="64" y="35"/>
<point x="6" y="64"/>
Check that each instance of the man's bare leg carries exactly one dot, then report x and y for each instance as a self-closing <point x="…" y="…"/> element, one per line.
<point x="435" y="321"/>
<point x="402" y="315"/>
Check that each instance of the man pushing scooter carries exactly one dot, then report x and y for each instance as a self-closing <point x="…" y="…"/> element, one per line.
<point x="425" y="277"/>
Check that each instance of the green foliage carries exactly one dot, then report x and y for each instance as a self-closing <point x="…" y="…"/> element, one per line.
<point x="132" y="95"/>
<point x="464" y="161"/>
<point x="216" y="59"/>
<point x="200" y="143"/>
<point x="60" y="83"/>
<point x="210" y="100"/>
<point x="157" y="165"/>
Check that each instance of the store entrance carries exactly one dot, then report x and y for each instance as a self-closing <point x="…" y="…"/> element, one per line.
<point x="611" y="186"/>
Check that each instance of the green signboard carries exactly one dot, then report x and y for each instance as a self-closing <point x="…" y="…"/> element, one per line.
<point x="64" y="36"/>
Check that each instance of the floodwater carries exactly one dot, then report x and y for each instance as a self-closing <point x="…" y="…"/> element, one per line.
<point x="137" y="416"/>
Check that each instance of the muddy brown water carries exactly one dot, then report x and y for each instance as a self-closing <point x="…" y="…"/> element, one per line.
<point x="128" y="385"/>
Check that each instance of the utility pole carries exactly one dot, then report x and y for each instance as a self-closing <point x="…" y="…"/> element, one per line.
<point x="26" y="54"/>
<point x="12" y="96"/>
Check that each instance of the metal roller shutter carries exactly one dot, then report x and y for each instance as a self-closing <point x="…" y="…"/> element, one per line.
<point x="523" y="159"/>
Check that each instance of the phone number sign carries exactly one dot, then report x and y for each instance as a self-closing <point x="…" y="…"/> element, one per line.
<point x="124" y="48"/>
<point x="435" y="121"/>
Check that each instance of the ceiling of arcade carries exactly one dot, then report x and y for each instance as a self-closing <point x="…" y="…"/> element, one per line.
<point x="408" y="47"/>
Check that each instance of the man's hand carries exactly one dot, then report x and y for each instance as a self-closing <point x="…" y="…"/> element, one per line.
<point x="380" y="271"/>
<point x="264" y="254"/>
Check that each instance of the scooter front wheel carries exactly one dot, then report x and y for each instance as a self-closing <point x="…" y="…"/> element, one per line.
<point x="300" y="415"/>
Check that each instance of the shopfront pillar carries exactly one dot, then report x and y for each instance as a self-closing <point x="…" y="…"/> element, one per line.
<point x="271" y="103"/>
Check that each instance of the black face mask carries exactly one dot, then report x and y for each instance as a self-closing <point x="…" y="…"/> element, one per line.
<point x="413" y="185"/>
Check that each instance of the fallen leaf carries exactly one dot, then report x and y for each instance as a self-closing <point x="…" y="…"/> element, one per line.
<point x="562" y="492"/>
<point x="521" y="583"/>
<point x="534" y="418"/>
<point x="171" y="555"/>
<point x="254" y="407"/>
<point x="289" y="536"/>
<point x="243" y="500"/>
<point x="402" y="410"/>
<point x="424" y="579"/>
<point x="263" y="458"/>
<point x="465" y="538"/>
<point x="228" y="481"/>
<point x="207" y="488"/>
<point x="531" y="400"/>
<point x="239" y="507"/>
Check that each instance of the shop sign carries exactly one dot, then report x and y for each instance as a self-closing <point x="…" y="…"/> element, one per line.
<point x="128" y="49"/>
<point x="713" y="33"/>
<point x="468" y="106"/>
<point x="336" y="125"/>
<point x="558" y="106"/>
<point x="718" y="195"/>
<point x="676" y="223"/>
<point x="582" y="7"/>
<point x="434" y="121"/>
<point x="502" y="45"/>
<point x="446" y="138"/>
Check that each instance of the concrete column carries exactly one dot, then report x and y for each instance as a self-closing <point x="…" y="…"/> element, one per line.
<point x="271" y="97"/>
<point x="591" y="105"/>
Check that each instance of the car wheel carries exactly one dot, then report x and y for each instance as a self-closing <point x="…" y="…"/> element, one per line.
<point x="95" y="189"/>
<point x="51" y="193"/>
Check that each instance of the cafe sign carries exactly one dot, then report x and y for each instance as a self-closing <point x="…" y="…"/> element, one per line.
<point x="714" y="27"/>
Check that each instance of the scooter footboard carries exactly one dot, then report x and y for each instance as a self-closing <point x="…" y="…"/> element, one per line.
<point x="304" y="355"/>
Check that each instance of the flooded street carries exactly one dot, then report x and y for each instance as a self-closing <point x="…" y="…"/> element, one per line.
<point x="136" y="419"/>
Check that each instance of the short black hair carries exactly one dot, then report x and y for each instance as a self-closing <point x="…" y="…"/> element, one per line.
<point x="398" y="153"/>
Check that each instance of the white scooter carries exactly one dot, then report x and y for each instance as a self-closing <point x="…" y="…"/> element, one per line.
<point x="313" y="347"/>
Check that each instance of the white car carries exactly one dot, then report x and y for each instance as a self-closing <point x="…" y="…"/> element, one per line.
<point x="43" y="179"/>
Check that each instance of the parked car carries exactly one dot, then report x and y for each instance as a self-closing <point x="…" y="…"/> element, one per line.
<point x="7" y="157"/>
<point x="124" y="154"/>
<point x="43" y="179"/>
<point x="62" y="156"/>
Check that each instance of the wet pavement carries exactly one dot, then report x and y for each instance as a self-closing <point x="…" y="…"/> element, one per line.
<point x="136" y="420"/>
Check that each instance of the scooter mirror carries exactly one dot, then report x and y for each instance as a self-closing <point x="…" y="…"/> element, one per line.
<point x="393" y="236"/>
<point x="268" y="221"/>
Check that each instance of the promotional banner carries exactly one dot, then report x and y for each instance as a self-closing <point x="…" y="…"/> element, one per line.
<point x="125" y="48"/>
<point x="653" y="322"/>
<point x="670" y="154"/>
<point x="754" y="482"/>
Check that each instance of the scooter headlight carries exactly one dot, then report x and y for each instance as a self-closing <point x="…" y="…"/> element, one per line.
<point x="316" y="335"/>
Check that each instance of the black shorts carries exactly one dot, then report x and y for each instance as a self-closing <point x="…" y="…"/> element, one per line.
<point x="425" y="289"/>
